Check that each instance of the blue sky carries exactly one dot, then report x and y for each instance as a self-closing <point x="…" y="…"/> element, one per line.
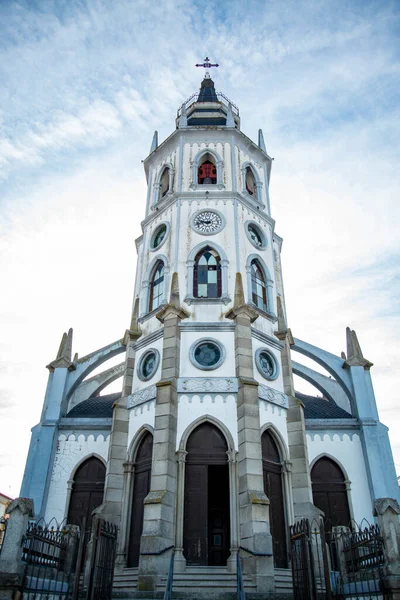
<point x="84" y="85"/>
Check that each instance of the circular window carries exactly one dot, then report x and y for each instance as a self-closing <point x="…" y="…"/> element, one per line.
<point x="207" y="354"/>
<point x="159" y="236"/>
<point x="148" y="364"/>
<point x="255" y="235"/>
<point x="207" y="222"/>
<point x="267" y="364"/>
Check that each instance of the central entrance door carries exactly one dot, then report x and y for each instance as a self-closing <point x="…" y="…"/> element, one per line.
<point x="206" y="524"/>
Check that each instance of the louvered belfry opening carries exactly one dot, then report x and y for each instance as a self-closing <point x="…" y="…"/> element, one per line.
<point x="206" y="527"/>
<point x="207" y="174"/>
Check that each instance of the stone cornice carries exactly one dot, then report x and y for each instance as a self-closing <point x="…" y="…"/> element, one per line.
<point x="89" y="423"/>
<point x="149" y="339"/>
<point x="328" y="424"/>
<point x="204" y="326"/>
<point x="243" y="309"/>
<point x="266" y="339"/>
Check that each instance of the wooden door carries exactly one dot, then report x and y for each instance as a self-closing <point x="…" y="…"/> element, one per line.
<point x="206" y="523"/>
<point x="141" y="487"/>
<point x="329" y="492"/>
<point x="87" y="491"/>
<point x="272" y="473"/>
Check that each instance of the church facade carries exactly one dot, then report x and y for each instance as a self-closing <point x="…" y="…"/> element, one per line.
<point x="208" y="451"/>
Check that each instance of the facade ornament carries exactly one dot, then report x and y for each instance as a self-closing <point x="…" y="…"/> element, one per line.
<point x="271" y="395"/>
<point x="208" y="386"/>
<point x="142" y="396"/>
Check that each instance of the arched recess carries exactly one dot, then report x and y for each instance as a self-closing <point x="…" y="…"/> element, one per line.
<point x="276" y="489"/>
<point x="147" y="281"/>
<point x="268" y="281"/>
<point x="141" y="471"/>
<point x="163" y="183"/>
<point x="86" y="489"/>
<point x="256" y="195"/>
<point x="198" y="159"/>
<point x="331" y="490"/>
<point x="224" y="272"/>
<point x="207" y="505"/>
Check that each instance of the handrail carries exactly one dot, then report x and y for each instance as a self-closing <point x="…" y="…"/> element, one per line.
<point x="168" y="587"/>
<point x="239" y="578"/>
<point x="255" y="553"/>
<point x="158" y="552"/>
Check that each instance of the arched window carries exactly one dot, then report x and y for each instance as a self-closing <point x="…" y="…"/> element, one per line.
<point x="164" y="183"/>
<point x="207" y="274"/>
<point x="207" y="172"/>
<point x="157" y="286"/>
<point x="258" y="286"/>
<point x="250" y="182"/>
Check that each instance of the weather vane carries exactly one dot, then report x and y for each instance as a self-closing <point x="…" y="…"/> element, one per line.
<point x="206" y="64"/>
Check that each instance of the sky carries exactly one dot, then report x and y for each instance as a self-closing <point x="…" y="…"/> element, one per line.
<point x="84" y="84"/>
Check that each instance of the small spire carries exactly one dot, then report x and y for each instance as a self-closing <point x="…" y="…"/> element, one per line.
<point x="207" y="91"/>
<point x="183" y="118"/>
<point x="239" y="293"/>
<point x="174" y="298"/>
<point x="230" y="121"/>
<point x="154" y="143"/>
<point x="355" y="356"/>
<point x="261" y="143"/>
<point x="134" y="332"/>
<point x="282" y="325"/>
<point x="64" y="353"/>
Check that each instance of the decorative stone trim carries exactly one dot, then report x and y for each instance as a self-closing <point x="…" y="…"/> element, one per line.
<point x="218" y="327"/>
<point x="140" y="374"/>
<point x="204" y="341"/>
<point x="154" y="497"/>
<point x="207" y="210"/>
<point x="271" y="395"/>
<point x="151" y="338"/>
<point x="142" y="396"/>
<point x="207" y="385"/>
<point x="266" y="339"/>
<point x="257" y="359"/>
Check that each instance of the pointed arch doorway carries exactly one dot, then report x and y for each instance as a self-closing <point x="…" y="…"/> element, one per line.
<point x="206" y="521"/>
<point x="273" y="487"/>
<point x="330" y="492"/>
<point x="87" y="491"/>
<point x="141" y="487"/>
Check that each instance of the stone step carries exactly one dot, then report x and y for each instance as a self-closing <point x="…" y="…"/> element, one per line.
<point x="283" y="580"/>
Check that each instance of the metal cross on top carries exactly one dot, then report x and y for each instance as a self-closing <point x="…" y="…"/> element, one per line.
<point x="206" y="64"/>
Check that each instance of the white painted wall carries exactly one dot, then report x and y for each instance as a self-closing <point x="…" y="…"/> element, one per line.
<point x="139" y="416"/>
<point x="72" y="450"/>
<point x="194" y="406"/>
<point x="276" y="416"/>
<point x="347" y="450"/>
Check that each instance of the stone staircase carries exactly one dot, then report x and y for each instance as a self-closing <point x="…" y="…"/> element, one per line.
<point x="198" y="583"/>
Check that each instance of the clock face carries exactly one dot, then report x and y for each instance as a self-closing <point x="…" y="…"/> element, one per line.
<point x="207" y="221"/>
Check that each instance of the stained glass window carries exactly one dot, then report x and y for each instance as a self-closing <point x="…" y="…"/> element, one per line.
<point x="258" y="286"/>
<point x="157" y="286"/>
<point x="159" y="236"/>
<point x="207" y="354"/>
<point x="207" y="274"/>
<point x="255" y="236"/>
<point x="164" y="183"/>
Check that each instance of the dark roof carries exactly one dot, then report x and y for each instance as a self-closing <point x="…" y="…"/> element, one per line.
<point x="207" y="91"/>
<point x="321" y="408"/>
<point x="98" y="407"/>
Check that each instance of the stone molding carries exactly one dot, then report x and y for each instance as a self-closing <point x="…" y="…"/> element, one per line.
<point x="187" y="326"/>
<point x="149" y="339"/>
<point x="266" y="339"/>
<point x="331" y="434"/>
<point x="207" y="385"/>
<point x="271" y="395"/>
<point x="142" y="396"/>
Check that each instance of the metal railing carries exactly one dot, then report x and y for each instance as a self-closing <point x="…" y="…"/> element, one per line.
<point x="239" y="578"/>
<point x="220" y="96"/>
<point x="168" y="587"/>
